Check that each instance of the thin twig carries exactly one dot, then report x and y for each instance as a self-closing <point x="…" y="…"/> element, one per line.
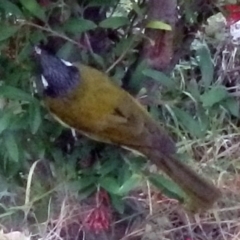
<point x="54" y="33"/>
<point x="88" y="43"/>
<point x="120" y="57"/>
<point x="150" y="198"/>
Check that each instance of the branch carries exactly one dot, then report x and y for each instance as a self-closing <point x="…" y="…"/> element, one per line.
<point x="51" y="31"/>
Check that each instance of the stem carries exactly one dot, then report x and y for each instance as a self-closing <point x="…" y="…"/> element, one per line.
<point x="51" y="31"/>
<point x="120" y="58"/>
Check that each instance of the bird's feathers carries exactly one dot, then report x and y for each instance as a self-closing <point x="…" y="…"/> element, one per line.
<point x="87" y="100"/>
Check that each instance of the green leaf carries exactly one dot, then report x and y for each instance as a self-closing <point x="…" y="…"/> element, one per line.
<point x="11" y="146"/>
<point x="114" y="22"/>
<point x="123" y="44"/>
<point x="108" y="166"/>
<point x="193" y="88"/>
<point x="232" y="105"/>
<point x="99" y="60"/>
<point x="160" y="77"/>
<point x="5" y="120"/>
<point x="34" y="8"/>
<point x="19" y="122"/>
<point x="136" y="163"/>
<point x="35" y="117"/>
<point x="66" y="50"/>
<point x="137" y="9"/>
<point x="189" y="15"/>
<point x="167" y="186"/>
<point x="130" y="184"/>
<point x="86" y="192"/>
<point x="154" y="24"/>
<point x="118" y="203"/>
<point x="206" y="65"/>
<point x="9" y="7"/>
<point x="76" y="26"/>
<point x="101" y="3"/>
<point x="203" y="118"/>
<point x="24" y="53"/>
<point x="36" y="37"/>
<point x="109" y="184"/>
<point x="15" y="93"/>
<point x="135" y="77"/>
<point x="7" y="31"/>
<point x="213" y="96"/>
<point x="186" y="120"/>
<point x="83" y="183"/>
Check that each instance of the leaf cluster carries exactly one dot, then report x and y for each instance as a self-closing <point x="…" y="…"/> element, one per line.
<point x="189" y="105"/>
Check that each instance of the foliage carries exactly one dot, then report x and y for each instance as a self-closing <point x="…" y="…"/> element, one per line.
<point x="188" y="105"/>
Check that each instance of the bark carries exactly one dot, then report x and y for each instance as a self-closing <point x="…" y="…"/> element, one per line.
<point x="158" y="50"/>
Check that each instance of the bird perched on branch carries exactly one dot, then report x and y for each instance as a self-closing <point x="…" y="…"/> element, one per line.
<point x="87" y="100"/>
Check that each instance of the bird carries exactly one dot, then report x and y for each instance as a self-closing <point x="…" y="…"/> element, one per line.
<point x="87" y="100"/>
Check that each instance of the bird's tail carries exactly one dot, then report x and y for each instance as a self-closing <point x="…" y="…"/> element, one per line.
<point x="202" y="194"/>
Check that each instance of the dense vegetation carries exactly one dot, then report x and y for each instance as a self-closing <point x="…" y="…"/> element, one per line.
<point x="191" y="89"/>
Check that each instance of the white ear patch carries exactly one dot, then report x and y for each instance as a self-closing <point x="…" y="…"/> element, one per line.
<point x="37" y="50"/>
<point x="66" y="63"/>
<point x="44" y="81"/>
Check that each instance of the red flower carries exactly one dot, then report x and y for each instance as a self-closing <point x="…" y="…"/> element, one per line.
<point x="234" y="13"/>
<point x="99" y="217"/>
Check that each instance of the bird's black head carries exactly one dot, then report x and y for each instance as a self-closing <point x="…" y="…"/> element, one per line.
<point x="58" y="76"/>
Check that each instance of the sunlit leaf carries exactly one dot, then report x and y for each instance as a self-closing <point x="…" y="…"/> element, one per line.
<point x="154" y="24"/>
<point x="114" y="22"/>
